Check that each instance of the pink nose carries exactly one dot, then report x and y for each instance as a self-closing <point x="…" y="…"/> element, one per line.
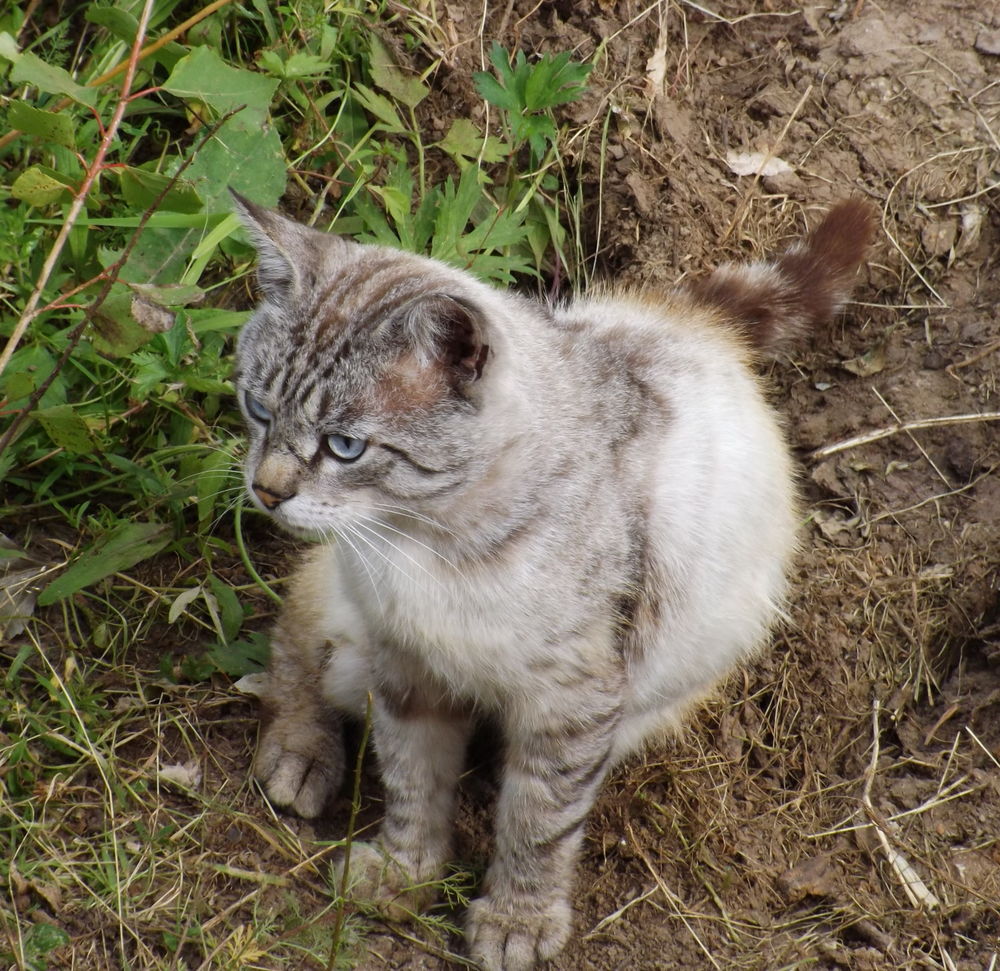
<point x="271" y="500"/>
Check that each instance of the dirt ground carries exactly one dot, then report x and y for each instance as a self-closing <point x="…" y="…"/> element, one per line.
<point x="839" y="805"/>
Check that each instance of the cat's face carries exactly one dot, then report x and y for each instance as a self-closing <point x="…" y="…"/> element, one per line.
<point x="358" y="376"/>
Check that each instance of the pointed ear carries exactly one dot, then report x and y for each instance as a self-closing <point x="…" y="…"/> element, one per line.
<point x="285" y="251"/>
<point x="452" y="332"/>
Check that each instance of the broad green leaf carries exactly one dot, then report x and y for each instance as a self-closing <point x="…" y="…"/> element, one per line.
<point x="31" y="69"/>
<point x="211" y="319"/>
<point x="160" y="255"/>
<point x="170" y="294"/>
<point x="8" y="47"/>
<point x="119" y="549"/>
<point x="230" y="609"/>
<point x="116" y="333"/>
<point x="48" y="125"/>
<point x="249" y="157"/>
<point x="142" y="188"/>
<point x="207" y="385"/>
<point x="39" y="186"/>
<point x="407" y="90"/>
<point x="66" y="427"/>
<point x="117" y="20"/>
<point x="213" y="476"/>
<point x="241" y="657"/>
<point x="203" y="76"/>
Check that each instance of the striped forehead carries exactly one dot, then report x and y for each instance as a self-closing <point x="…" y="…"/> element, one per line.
<point x="361" y="295"/>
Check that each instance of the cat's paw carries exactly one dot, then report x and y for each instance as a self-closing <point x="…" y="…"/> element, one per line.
<point x="509" y="939"/>
<point x="378" y="880"/>
<point x="300" y="765"/>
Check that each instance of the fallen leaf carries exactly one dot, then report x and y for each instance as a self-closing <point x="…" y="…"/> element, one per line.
<point x="867" y="364"/>
<point x="757" y="163"/>
<point x="186" y="774"/>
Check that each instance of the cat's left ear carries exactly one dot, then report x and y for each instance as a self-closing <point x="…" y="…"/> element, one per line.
<point x="285" y="251"/>
<point x="451" y="332"/>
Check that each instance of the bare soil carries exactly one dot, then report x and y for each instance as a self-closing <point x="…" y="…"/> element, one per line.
<point x="838" y="805"/>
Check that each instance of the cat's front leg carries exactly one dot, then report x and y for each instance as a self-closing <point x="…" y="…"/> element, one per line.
<point x="421" y="750"/>
<point x="554" y="766"/>
<point x="300" y="752"/>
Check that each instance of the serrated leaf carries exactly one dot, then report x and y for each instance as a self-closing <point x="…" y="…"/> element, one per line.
<point x="66" y="428"/>
<point x="39" y="186"/>
<point x="491" y="90"/>
<point x="203" y="76"/>
<point x="407" y="90"/>
<point x="120" y="549"/>
<point x="380" y="106"/>
<point x="31" y="69"/>
<point x="303" y="65"/>
<point x="49" y="125"/>
<point x="465" y="140"/>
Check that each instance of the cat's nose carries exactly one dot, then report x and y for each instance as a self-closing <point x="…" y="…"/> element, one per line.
<point x="271" y="500"/>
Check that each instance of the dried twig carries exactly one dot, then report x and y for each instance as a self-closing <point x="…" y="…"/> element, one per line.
<point x="907" y="426"/>
<point x="108" y="276"/>
<point x="918" y="893"/>
<point x="167" y="38"/>
<point x="80" y="196"/>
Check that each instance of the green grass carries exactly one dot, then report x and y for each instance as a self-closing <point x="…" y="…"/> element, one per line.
<point x="130" y="837"/>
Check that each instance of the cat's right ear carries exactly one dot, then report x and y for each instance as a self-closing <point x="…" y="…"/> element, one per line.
<point x="282" y="248"/>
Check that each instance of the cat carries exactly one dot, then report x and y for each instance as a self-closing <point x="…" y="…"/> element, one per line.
<point x="575" y="519"/>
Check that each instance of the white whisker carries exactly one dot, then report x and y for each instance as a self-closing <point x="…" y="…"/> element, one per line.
<point x="410" y="514"/>
<point x="412" y="539"/>
<point x="375" y="548"/>
<point x="341" y="534"/>
<point x="359" y="525"/>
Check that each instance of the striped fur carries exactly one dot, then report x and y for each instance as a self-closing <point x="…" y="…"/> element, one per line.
<point x="574" y="519"/>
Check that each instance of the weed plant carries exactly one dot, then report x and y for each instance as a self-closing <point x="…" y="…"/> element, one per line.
<point x="124" y="280"/>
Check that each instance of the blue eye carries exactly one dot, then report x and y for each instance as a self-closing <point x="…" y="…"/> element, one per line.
<point x="256" y="410"/>
<point x="344" y="448"/>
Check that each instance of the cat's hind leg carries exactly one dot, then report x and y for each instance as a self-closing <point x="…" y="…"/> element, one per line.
<point x="555" y="762"/>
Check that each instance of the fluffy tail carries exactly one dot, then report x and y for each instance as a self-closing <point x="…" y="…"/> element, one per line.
<point x="777" y="301"/>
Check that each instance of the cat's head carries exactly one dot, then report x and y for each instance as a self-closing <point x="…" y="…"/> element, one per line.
<point x="360" y="376"/>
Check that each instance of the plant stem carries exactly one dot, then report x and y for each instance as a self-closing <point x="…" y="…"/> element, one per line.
<point x="245" y="557"/>
<point x="80" y="196"/>
<point x="338" y="927"/>
<point x="168" y="37"/>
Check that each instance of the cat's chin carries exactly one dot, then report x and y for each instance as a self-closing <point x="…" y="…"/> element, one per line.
<point x="312" y="534"/>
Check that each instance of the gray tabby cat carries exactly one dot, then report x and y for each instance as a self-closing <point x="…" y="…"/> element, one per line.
<point x="572" y="519"/>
